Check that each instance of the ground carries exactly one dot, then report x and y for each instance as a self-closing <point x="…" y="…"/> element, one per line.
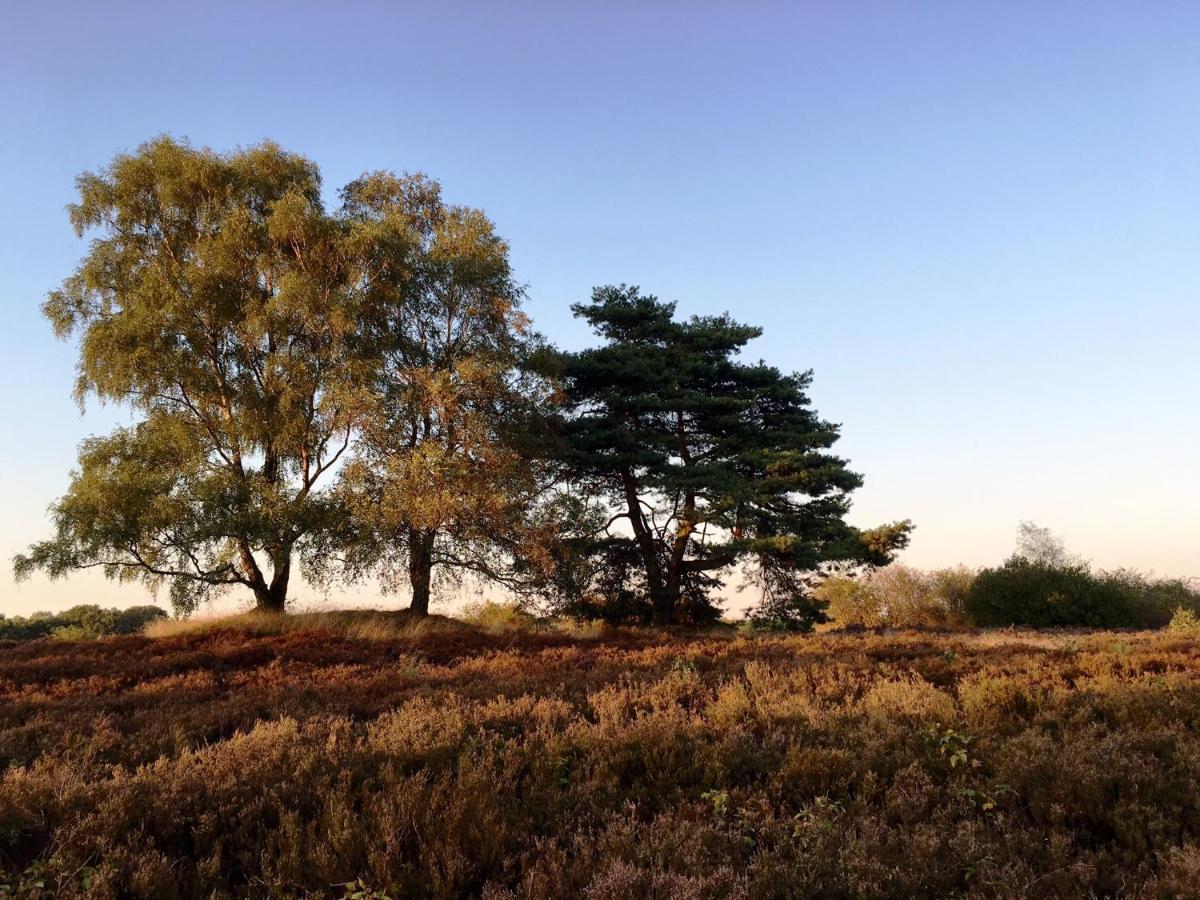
<point x="342" y="754"/>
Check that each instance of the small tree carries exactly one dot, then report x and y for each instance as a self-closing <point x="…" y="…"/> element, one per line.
<point x="220" y="302"/>
<point x="444" y="466"/>
<point x="1040" y="545"/>
<point x="704" y="462"/>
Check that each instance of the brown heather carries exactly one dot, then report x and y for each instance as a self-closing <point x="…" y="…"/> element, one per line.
<point x="448" y="761"/>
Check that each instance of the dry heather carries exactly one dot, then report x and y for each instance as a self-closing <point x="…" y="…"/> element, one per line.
<point x="447" y="762"/>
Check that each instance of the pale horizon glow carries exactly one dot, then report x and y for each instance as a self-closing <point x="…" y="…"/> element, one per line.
<point x="978" y="223"/>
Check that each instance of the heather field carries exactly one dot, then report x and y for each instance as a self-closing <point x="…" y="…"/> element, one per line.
<point x="358" y="755"/>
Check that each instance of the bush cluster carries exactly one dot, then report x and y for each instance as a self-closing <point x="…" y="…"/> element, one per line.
<point x="900" y="597"/>
<point x="79" y="622"/>
<point x="1041" y="595"/>
<point x="1022" y="591"/>
<point x="1185" y="621"/>
<point x="221" y="763"/>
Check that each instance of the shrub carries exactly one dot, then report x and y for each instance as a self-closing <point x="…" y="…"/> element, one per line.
<point x="499" y="617"/>
<point x="1184" y="620"/>
<point x="851" y="602"/>
<point x="72" y="633"/>
<point x="797" y="614"/>
<point x="1044" y="595"/>
<point x="1154" y="600"/>
<point x="899" y="596"/>
<point x="950" y="588"/>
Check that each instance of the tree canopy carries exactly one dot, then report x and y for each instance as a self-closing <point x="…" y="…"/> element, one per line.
<point x="219" y="301"/>
<point x="351" y="387"/>
<point x="441" y="470"/>
<point x="703" y="462"/>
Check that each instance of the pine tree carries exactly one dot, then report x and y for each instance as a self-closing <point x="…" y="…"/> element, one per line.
<point x="704" y="462"/>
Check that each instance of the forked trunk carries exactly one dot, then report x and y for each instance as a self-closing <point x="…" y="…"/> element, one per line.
<point x="272" y="597"/>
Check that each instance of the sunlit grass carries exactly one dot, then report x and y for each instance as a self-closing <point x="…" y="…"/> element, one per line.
<point x="361" y="624"/>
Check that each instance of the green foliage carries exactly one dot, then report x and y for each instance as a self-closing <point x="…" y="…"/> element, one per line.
<point x="260" y="337"/>
<point x="445" y="462"/>
<point x="699" y="462"/>
<point x="1185" y="621"/>
<point x="797" y="612"/>
<point x="1022" y="592"/>
<point x="1154" y="601"/>
<point x="953" y="746"/>
<point x="1045" y="586"/>
<point x="79" y="623"/>
<point x="221" y="303"/>
<point x="1043" y="594"/>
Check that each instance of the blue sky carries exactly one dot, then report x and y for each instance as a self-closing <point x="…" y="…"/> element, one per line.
<point x="979" y="223"/>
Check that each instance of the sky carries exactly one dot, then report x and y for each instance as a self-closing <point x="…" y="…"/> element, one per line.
<point x="978" y="223"/>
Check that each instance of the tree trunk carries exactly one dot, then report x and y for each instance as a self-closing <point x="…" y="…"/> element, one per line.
<point x="270" y="598"/>
<point x="663" y="602"/>
<point x="281" y="579"/>
<point x="420" y="569"/>
<point x="672" y="579"/>
<point x="662" y="599"/>
<point x="274" y="597"/>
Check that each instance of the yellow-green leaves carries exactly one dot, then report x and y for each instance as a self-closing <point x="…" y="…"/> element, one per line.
<point x="217" y="299"/>
<point x="262" y="339"/>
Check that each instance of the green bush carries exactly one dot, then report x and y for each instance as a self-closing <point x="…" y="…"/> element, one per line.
<point x="787" y="615"/>
<point x="1155" y="601"/>
<point x="1043" y="595"/>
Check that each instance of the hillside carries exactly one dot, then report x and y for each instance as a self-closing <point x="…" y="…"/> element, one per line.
<point x="443" y="761"/>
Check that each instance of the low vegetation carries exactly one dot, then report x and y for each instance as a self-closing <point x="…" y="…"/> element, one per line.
<point x="79" y="622"/>
<point x="899" y="597"/>
<point x="1027" y="592"/>
<point x="338" y="755"/>
<point x="1022" y="592"/>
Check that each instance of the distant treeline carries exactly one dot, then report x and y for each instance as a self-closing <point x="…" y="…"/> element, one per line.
<point x="1041" y="585"/>
<point x="78" y="622"/>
